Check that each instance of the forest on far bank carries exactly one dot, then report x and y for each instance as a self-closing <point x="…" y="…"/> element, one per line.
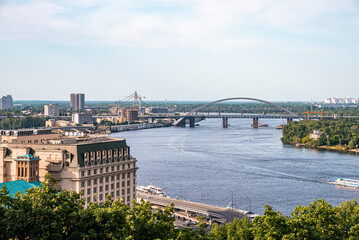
<point x="340" y="132"/>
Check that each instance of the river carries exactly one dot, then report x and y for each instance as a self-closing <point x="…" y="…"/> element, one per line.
<point x="213" y="165"/>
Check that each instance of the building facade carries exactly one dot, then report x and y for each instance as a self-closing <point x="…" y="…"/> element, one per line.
<point x="128" y="114"/>
<point x="6" y="102"/>
<point x="77" y="101"/>
<point x="51" y="110"/>
<point x="97" y="167"/>
<point x="82" y="118"/>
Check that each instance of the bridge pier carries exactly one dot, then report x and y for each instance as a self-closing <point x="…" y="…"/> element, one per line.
<point x="182" y="123"/>
<point x="255" y="122"/>
<point x="289" y="120"/>
<point x="192" y="122"/>
<point x="225" y="122"/>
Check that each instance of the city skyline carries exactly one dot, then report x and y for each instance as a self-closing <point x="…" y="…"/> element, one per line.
<point x="179" y="50"/>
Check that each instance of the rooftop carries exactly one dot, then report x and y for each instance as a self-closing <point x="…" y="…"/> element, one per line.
<point x="19" y="186"/>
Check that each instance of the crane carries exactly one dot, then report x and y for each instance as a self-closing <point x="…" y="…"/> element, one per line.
<point x="309" y="112"/>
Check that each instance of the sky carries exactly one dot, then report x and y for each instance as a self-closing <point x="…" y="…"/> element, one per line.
<point x="198" y="50"/>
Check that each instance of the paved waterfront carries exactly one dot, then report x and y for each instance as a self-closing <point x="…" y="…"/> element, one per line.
<point x="223" y="215"/>
<point x="208" y="164"/>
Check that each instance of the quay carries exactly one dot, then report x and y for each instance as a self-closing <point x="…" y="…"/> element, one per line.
<point x="213" y="213"/>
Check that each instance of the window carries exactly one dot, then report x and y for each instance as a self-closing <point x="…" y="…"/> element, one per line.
<point x="89" y="172"/>
<point x="88" y="182"/>
<point x="118" y="185"/>
<point x="100" y="196"/>
<point x="117" y="193"/>
<point x="128" y="165"/>
<point x="101" y="180"/>
<point x="82" y="183"/>
<point x="128" y="183"/>
<point x="95" y="171"/>
<point x="134" y="181"/>
<point x="123" y="166"/>
<point x="88" y="199"/>
<point x="112" y="195"/>
<point x="123" y="176"/>
<point x="112" y="168"/>
<point x="95" y="181"/>
<point x="128" y="190"/>
<point x="128" y="198"/>
<point x="36" y="141"/>
<point x="95" y="190"/>
<point x="112" y="178"/>
<point x="118" y="177"/>
<point x="106" y="169"/>
<point x="88" y="191"/>
<point x="101" y="188"/>
<point x="123" y="184"/>
<point x="82" y="173"/>
<point x="118" y="167"/>
<point x="106" y="179"/>
<point x="112" y="186"/>
<point x="134" y="189"/>
<point x="106" y="188"/>
<point x="123" y="192"/>
<point x="101" y="170"/>
<point x="128" y="175"/>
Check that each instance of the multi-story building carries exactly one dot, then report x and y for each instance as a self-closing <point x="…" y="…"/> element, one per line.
<point x="82" y="118"/>
<point x="77" y="101"/>
<point x="6" y="102"/>
<point x="129" y="114"/>
<point x="51" y="110"/>
<point x="95" y="166"/>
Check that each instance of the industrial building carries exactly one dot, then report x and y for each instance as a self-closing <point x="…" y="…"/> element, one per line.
<point x="96" y="166"/>
<point x="82" y="118"/>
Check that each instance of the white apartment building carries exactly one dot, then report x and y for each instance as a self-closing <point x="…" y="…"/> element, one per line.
<point x="51" y="110"/>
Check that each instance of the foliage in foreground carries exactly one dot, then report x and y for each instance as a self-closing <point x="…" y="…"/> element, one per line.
<point x="43" y="213"/>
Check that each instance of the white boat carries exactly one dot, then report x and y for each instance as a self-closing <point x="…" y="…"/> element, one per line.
<point x="151" y="190"/>
<point x="347" y="182"/>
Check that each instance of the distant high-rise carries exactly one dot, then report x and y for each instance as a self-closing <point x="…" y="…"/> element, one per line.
<point x="6" y="102"/>
<point x="77" y="101"/>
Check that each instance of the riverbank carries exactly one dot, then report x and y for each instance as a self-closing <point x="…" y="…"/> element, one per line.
<point x="340" y="149"/>
<point x="133" y="127"/>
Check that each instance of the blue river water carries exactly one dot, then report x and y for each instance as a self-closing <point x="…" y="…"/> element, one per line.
<point x="213" y="165"/>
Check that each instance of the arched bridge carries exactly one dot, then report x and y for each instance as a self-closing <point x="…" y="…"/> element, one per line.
<point x="189" y="115"/>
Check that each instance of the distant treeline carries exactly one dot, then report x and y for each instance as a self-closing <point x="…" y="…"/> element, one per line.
<point x="341" y="132"/>
<point x="17" y="123"/>
<point x="37" y="107"/>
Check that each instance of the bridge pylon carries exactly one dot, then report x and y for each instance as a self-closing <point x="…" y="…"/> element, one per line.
<point x="255" y="122"/>
<point x="192" y="122"/>
<point x="289" y="120"/>
<point x="225" y="122"/>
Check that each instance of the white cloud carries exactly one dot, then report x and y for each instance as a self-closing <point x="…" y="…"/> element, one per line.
<point x="214" y="24"/>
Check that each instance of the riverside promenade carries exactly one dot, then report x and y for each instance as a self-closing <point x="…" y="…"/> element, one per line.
<point x="214" y="213"/>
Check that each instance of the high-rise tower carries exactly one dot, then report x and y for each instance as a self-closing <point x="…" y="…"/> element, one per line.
<point x="77" y="101"/>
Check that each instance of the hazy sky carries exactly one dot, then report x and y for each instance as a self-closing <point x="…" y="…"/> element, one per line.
<point x="179" y="49"/>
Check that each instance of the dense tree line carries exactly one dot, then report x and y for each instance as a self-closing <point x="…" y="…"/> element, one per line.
<point x="340" y="132"/>
<point x="43" y="213"/>
<point x="26" y="122"/>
